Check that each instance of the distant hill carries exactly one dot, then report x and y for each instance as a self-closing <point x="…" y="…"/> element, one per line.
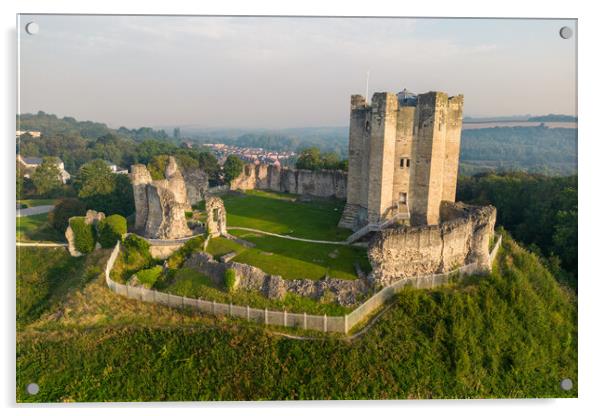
<point x="51" y="125"/>
<point x="529" y="149"/>
<point x="553" y="117"/>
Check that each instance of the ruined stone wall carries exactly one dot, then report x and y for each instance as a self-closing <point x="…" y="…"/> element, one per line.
<point x="462" y="238"/>
<point x="160" y="204"/>
<point x="321" y="183"/>
<point x="197" y="184"/>
<point x="345" y="292"/>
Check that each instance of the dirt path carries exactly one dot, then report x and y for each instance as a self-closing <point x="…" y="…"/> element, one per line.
<point x="41" y="209"/>
<point x="288" y="237"/>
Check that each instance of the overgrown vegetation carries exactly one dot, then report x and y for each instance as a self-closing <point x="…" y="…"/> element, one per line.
<point x="230" y="280"/>
<point x="111" y="229"/>
<point x="509" y="334"/>
<point x="192" y="284"/>
<point x="133" y="256"/>
<point x="65" y="209"/>
<point x="84" y="235"/>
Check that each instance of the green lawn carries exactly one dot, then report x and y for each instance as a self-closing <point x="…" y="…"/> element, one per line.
<point x="293" y="259"/>
<point x="37" y="228"/>
<point x="281" y="214"/>
<point x="37" y="202"/>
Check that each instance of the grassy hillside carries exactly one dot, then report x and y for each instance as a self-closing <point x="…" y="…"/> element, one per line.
<point x="509" y="334"/>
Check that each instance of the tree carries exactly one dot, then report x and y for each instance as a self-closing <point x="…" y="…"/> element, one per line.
<point x="310" y="159"/>
<point x="95" y="179"/>
<point x="67" y="208"/>
<point x="233" y="167"/>
<point x="209" y="164"/>
<point x="103" y="190"/>
<point x="47" y="177"/>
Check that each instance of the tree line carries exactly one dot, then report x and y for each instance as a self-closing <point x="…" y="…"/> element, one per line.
<point x="539" y="211"/>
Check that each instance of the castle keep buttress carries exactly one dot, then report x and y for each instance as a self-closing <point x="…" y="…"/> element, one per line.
<point x="403" y="157"/>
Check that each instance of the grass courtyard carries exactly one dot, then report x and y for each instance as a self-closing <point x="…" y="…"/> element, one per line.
<point x="293" y="259"/>
<point x="282" y="213"/>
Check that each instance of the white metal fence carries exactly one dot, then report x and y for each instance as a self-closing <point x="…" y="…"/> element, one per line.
<point x="322" y="323"/>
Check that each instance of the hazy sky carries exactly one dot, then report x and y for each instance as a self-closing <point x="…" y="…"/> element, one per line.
<point x="286" y="72"/>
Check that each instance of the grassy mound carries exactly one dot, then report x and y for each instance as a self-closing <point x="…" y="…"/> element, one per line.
<point x="509" y="334"/>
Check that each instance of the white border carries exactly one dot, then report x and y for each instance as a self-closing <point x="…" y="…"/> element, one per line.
<point x="589" y="198"/>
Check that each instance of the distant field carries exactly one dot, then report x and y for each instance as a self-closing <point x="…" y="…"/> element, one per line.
<point x="293" y="259"/>
<point x="281" y="214"/>
<point x="36" y="228"/>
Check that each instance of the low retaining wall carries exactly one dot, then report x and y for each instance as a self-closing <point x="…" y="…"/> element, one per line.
<point x="325" y="323"/>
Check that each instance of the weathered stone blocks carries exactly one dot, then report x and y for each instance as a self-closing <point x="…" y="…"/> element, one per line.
<point x="461" y="239"/>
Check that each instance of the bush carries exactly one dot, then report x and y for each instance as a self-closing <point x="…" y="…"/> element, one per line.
<point x="176" y="260"/>
<point x="67" y="208"/>
<point x="84" y="235"/>
<point x="230" y="280"/>
<point x="148" y="277"/>
<point x="111" y="229"/>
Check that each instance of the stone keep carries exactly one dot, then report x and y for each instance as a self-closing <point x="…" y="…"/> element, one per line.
<point x="403" y="157"/>
<point x="160" y="204"/>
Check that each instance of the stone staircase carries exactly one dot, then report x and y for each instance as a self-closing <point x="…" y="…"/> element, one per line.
<point x="375" y="227"/>
<point x="349" y="216"/>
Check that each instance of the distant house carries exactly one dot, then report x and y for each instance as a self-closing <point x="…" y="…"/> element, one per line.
<point x="34" y="162"/>
<point x="32" y="133"/>
<point x="116" y="169"/>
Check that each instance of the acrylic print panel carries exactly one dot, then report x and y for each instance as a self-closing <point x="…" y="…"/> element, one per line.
<point x="286" y="208"/>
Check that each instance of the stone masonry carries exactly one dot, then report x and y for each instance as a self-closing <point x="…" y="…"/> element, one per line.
<point x="320" y="183"/>
<point x="216" y="216"/>
<point x="344" y="292"/>
<point x="403" y="157"/>
<point x="160" y="204"/>
<point x="462" y="238"/>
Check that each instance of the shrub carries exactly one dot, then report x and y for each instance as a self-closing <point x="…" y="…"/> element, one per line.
<point x="133" y="242"/>
<point x="84" y="235"/>
<point x="111" y="229"/>
<point x="177" y="258"/>
<point x="67" y="208"/>
<point x="148" y="277"/>
<point x="230" y="280"/>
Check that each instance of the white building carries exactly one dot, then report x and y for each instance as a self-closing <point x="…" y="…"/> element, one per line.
<point x="34" y="162"/>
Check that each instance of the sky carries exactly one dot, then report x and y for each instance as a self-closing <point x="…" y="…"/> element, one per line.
<point x="259" y="72"/>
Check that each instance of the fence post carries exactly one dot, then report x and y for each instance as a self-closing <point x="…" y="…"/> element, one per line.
<point x="230" y="309"/>
<point x="168" y="301"/>
<point x="213" y="307"/>
<point x="265" y="315"/>
<point x="182" y="302"/>
<point x="127" y="291"/>
<point x="154" y="296"/>
<point x="304" y="320"/>
<point x="198" y="303"/>
<point x="285" y="317"/>
<point x="248" y="314"/>
<point x="346" y="327"/>
<point x="325" y="323"/>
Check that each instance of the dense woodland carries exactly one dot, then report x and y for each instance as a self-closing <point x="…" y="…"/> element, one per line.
<point x="539" y="211"/>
